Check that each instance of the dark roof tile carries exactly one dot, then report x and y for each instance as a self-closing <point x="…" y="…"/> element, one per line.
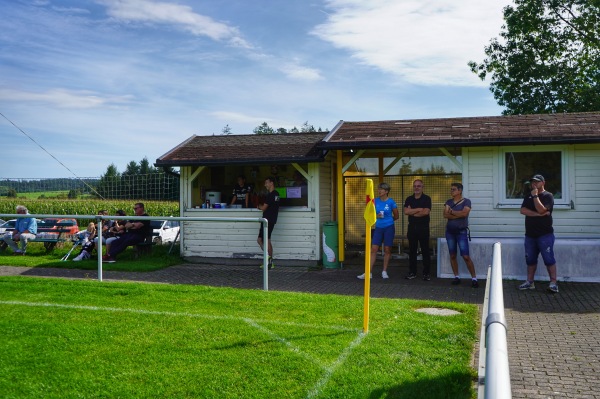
<point x="245" y="149"/>
<point x="471" y="131"/>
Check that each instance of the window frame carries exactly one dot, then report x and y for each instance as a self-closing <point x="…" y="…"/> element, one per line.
<point x="567" y="175"/>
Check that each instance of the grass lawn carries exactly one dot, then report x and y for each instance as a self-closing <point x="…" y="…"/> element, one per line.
<point x="38" y="257"/>
<point x="86" y="339"/>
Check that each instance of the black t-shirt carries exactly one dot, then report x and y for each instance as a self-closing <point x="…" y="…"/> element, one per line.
<point x="272" y="210"/>
<point x="145" y="230"/>
<point x="536" y="226"/>
<point x="240" y="193"/>
<point x="423" y="202"/>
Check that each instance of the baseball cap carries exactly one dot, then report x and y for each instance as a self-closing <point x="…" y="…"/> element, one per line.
<point x="538" y="178"/>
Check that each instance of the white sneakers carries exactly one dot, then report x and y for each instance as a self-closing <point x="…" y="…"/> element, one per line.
<point x="383" y="275"/>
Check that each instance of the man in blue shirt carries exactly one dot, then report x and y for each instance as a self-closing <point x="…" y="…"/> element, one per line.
<point x="25" y="229"/>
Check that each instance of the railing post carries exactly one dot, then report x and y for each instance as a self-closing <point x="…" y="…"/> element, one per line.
<point x="497" y="372"/>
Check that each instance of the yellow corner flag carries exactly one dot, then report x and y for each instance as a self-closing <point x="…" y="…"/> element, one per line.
<point x="370" y="214"/>
<point x="370" y="219"/>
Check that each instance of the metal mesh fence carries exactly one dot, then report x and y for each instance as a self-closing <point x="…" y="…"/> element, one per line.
<point x="437" y="186"/>
<point x="153" y="186"/>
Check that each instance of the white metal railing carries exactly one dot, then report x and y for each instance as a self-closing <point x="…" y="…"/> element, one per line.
<point x="100" y="218"/>
<point x="494" y="377"/>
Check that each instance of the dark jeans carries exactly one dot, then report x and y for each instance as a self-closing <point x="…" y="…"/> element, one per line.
<point x="418" y="236"/>
<point x="123" y="242"/>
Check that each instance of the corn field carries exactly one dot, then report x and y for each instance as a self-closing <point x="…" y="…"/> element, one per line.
<point x="87" y="207"/>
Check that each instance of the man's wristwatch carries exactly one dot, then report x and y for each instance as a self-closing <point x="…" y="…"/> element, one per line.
<point x="534" y="196"/>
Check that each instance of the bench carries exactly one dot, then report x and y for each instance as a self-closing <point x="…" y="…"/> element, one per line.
<point x="50" y="233"/>
<point x="145" y="247"/>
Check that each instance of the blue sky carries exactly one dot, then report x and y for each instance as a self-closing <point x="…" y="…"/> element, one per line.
<point x="110" y="81"/>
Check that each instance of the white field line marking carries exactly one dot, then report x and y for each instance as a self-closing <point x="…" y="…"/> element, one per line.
<point x="287" y="343"/>
<point x="316" y="390"/>
<point x="328" y="371"/>
<point x="167" y="313"/>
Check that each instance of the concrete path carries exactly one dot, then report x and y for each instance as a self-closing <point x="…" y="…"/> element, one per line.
<point x="553" y="339"/>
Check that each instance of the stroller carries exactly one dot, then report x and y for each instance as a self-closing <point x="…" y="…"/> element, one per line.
<point x="85" y="238"/>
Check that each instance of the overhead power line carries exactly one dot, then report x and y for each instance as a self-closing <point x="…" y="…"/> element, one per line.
<point x="56" y="159"/>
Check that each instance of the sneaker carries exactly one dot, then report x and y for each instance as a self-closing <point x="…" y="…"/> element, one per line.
<point x="18" y="253"/>
<point x="270" y="263"/>
<point x="426" y="277"/>
<point x="362" y="276"/>
<point x="78" y="258"/>
<point x="474" y="284"/>
<point x="410" y="276"/>
<point x="108" y="259"/>
<point x="384" y="274"/>
<point x="527" y="286"/>
<point x="456" y="281"/>
<point x="553" y="288"/>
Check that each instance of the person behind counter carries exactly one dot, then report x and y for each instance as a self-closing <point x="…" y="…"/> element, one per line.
<point x="241" y="192"/>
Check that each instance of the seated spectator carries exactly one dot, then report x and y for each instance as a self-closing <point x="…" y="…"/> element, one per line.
<point x="25" y="229"/>
<point x="86" y="239"/>
<point x="135" y="234"/>
<point x="113" y="230"/>
<point x="105" y="226"/>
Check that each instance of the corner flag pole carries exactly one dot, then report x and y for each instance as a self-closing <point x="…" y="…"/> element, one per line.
<point x="370" y="219"/>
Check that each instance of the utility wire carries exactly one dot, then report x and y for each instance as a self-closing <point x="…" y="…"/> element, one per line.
<point x="56" y="159"/>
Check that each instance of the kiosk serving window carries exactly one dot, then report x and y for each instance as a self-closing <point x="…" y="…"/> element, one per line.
<point x="290" y="183"/>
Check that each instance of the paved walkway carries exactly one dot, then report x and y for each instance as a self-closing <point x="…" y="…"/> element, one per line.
<point x="553" y="340"/>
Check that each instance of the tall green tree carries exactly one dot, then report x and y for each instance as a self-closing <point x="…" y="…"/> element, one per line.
<point x="547" y="59"/>
<point x="263" y="128"/>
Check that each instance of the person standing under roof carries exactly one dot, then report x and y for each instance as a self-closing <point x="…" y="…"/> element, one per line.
<point x="539" y="233"/>
<point x="270" y="209"/>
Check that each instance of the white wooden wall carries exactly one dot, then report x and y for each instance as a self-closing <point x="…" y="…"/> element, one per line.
<point x="293" y="236"/>
<point x="480" y="170"/>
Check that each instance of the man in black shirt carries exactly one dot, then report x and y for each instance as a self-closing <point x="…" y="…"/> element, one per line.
<point x="270" y="210"/>
<point x="241" y="192"/>
<point x="417" y="207"/>
<point x="539" y="233"/>
<point x="137" y="231"/>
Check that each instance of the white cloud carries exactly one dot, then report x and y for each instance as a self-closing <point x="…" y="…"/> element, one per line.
<point x="175" y="14"/>
<point x="62" y="98"/>
<point x="425" y="42"/>
<point x="299" y="72"/>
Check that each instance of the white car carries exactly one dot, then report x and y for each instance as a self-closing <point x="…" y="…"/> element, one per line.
<point x="164" y="231"/>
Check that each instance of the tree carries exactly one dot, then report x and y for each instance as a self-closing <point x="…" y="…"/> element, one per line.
<point x="548" y="59"/>
<point x="264" y="128"/>
<point x="226" y="130"/>
<point x="281" y="130"/>
<point x="12" y="193"/>
<point x="145" y="167"/>
<point x="131" y="169"/>
<point x="307" y="128"/>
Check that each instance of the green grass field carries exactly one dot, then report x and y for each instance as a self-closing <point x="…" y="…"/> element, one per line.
<point x="86" y="339"/>
<point x="38" y="257"/>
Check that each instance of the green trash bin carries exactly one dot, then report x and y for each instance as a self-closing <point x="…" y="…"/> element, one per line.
<point x="330" y="245"/>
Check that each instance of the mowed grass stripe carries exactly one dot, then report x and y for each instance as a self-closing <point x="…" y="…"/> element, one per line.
<point x="205" y="342"/>
<point x="177" y="314"/>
